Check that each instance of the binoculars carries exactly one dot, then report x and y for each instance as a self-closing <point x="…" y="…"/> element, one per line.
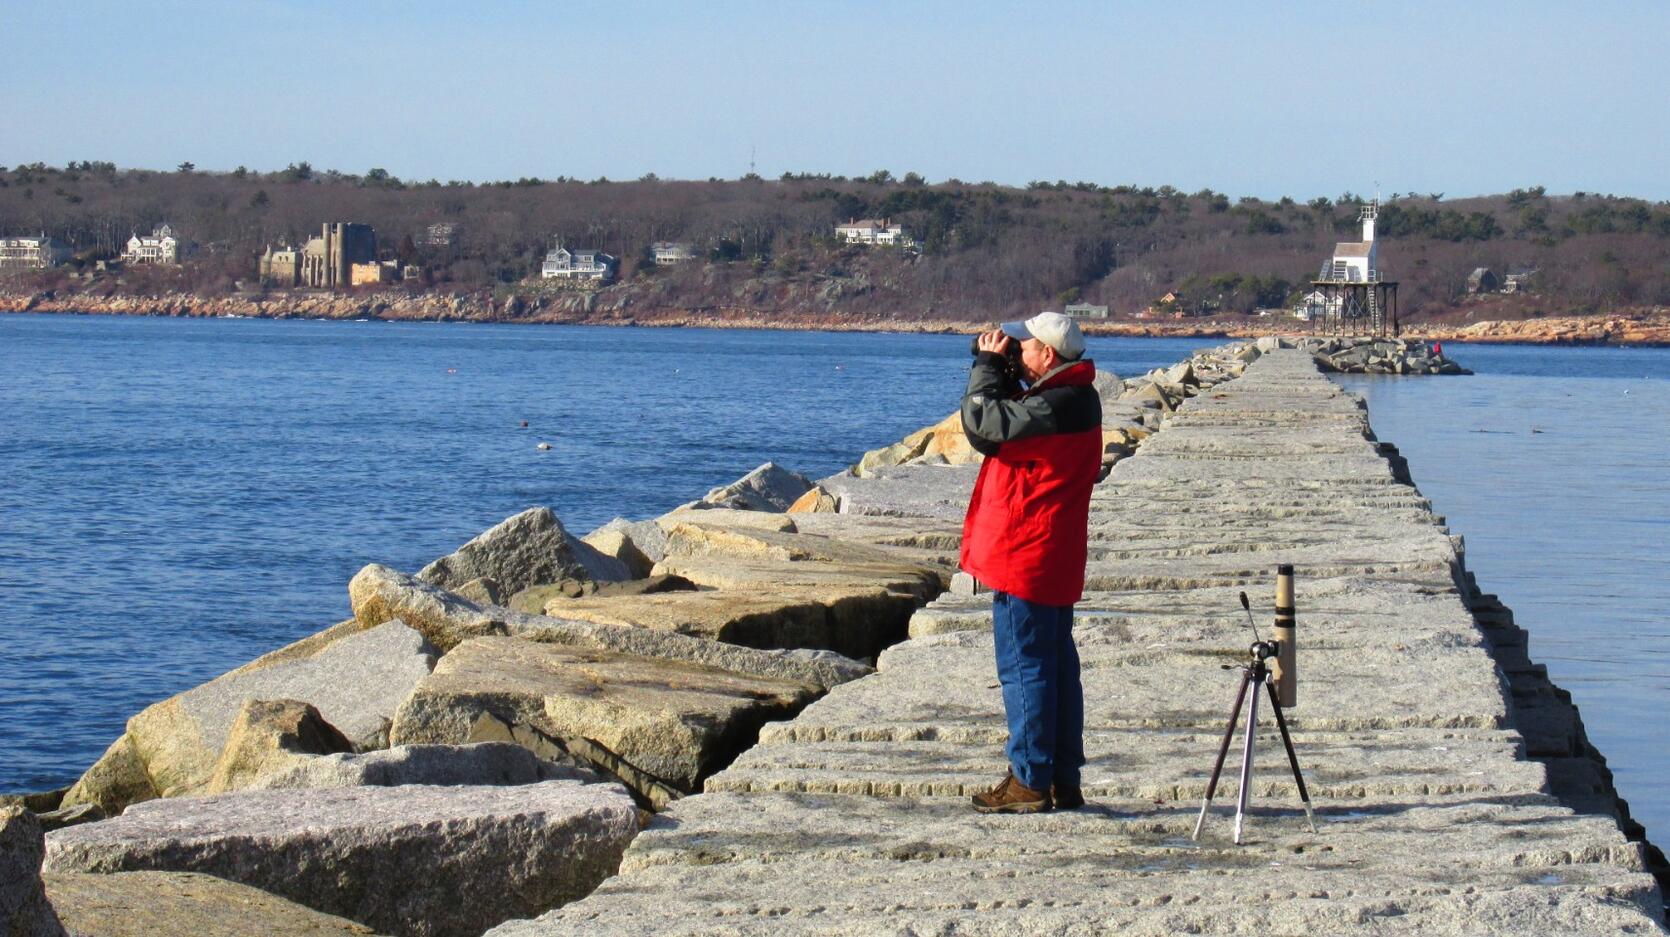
<point x="1011" y="355"/>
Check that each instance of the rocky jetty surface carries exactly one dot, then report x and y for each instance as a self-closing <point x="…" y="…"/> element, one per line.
<point x="790" y="683"/>
<point x="1454" y="791"/>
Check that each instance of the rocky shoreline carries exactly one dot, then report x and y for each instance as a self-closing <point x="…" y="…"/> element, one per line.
<point x="1650" y="326"/>
<point x="481" y="744"/>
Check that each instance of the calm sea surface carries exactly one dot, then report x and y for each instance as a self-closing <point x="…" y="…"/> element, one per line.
<point x="178" y="496"/>
<point x="1554" y="464"/>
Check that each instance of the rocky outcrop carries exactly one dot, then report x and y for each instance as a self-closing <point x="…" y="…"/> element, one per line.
<point x="269" y="736"/>
<point x="672" y="720"/>
<point x="354" y="679"/>
<point x="415" y="860"/>
<point x="183" y="904"/>
<point x="448" y="765"/>
<point x="1362" y="355"/>
<point x="24" y="910"/>
<point x="1633" y="327"/>
<point x="521" y="551"/>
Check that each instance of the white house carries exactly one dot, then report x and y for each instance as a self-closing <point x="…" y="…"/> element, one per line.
<point x="1355" y="261"/>
<point x="158" y="247"/>
<point x="871" y="231"/>
<point x="1314" y="305"/>
<point x="579" y="264"/>
<point x="672" y="252"/>
<point x="28" y="253"/>
<point x="1518" y="280"/>
<point x="1086" y="311"/>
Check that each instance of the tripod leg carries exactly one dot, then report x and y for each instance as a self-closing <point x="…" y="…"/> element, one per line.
<point x="1292" y="756"/>
<point x="1246" y="761"/>
<point x="1223" y="750"/>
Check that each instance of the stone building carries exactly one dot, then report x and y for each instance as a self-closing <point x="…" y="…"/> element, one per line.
<point x="376" y="273"/>
<point x="281" y="266"/>
<point x="1086" y="311"/>
<point x="158" y="247"/>
<point x="327" y="260"/>
<point x="32" y="253"/>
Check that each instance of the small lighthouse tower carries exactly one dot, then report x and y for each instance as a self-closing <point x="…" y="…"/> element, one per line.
<point x="1354" y="297"/>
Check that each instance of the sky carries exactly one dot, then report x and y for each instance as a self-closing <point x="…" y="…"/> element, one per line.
<point x="1261" y="99"/>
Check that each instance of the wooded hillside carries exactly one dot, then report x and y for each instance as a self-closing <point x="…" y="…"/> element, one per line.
<point x="984" y="250"/>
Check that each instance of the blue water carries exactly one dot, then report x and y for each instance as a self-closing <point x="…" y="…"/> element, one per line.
<point x="1554" y="464"/>
<point x="178" y="496"/>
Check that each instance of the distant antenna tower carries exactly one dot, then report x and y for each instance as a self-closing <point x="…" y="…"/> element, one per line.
<point x="751" y="150"/>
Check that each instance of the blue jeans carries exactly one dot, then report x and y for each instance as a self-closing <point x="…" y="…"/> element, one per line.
<point x="1042" y="696"/>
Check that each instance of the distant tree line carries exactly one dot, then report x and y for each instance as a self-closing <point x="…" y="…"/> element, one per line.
<point x="981" y="248"/>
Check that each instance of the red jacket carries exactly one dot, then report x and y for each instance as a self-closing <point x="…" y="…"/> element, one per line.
<point x="1027" y="528"/>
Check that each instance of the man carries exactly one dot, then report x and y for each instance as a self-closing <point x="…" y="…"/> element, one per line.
<point x="1025" y="538"/>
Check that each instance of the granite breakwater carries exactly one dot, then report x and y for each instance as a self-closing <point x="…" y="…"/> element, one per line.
<point x="787" y="686"/>
<point x="1456" y="793"/>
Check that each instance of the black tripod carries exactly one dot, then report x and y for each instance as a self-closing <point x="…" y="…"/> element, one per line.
<point x="1254" y="673"/>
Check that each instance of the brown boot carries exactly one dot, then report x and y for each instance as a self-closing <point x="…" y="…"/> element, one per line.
<point x="1066" y="798"/>
<point x="1011" y="796"/>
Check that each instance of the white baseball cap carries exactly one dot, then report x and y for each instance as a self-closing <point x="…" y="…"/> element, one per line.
<point x="1053" y="329"/>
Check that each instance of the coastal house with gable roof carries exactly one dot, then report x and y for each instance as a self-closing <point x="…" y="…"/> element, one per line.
<point x="872" y="231"/>
<point x="32" y="253"/>
<point x="1482" y="280"/>
<point x="671" y="252"/>
<point x="158" y="247"/>
<point x="578" y="264"/>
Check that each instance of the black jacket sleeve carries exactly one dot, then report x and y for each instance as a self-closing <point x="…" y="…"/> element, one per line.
<point x="992" y="416"/>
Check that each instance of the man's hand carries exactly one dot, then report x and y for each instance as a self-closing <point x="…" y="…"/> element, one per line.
<point x="995" y="342"/>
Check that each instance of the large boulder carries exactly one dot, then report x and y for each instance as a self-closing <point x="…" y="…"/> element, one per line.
<point x="355" y="680"/>
<point x="415" y="860"/>
<point x="937" y="492"/>
<point x="947" y="440"/>
<point x="381" y="592"/>
<point x="724" y="517"/>
<point x="1108" y="386"/>
<point x="449" y="765"/>
<point x="523" y="550"/>
<point x="793" y="546"/>
<point x="636" y="544"/>
<point x="767" y="488"/>
<point x="183" y="904"/>
<point x="24" y="911"/>
<point x="857" y="618"/>
<point x="270" y="736"/>
<point x="911" y="447"/>
<point x="816" y="500"/>
<point x="672" y="720"/>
